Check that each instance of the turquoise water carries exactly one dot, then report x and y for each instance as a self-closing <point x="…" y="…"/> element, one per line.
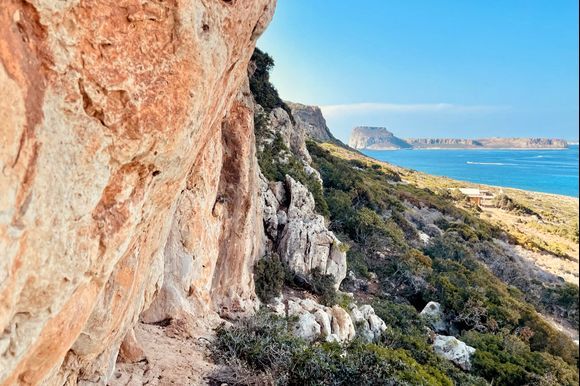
<point x="550" y="171"/>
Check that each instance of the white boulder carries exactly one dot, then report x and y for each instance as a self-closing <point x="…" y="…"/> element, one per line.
<point x="324" y="320"/>
<point x="454" y="350"/>
<point x="433" y="313"/>
<point x="307" y="328"/>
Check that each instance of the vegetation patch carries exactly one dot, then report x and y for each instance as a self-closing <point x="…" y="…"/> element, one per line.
<point x="366" y="209"/>
<point x="366" y="203"/>
<point x="269" y="275"/>
<point x="505" y="202"/>
<point x="263" y="346"/>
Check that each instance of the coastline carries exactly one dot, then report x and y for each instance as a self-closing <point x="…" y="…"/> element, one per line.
<point x="470" y="148"/>
<point x="465" y="183"/>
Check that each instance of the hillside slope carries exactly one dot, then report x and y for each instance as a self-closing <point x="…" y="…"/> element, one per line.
<point x="408" y="247"/>
<point x="165" y="218"/>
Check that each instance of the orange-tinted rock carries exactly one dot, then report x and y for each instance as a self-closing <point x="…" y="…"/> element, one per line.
<point x="112" y="119"/>
<point x="130" y="350"/>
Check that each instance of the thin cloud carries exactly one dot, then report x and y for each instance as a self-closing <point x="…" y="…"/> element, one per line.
<point x="361" y="108"/>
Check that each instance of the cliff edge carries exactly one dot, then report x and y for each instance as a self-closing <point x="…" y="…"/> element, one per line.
<point x="375" y="138"/>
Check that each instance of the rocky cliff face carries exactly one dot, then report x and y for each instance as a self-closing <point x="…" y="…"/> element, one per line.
<point x="375" y="138"/>
<point x="310" y="120"/>
<point x="292" y="227"/>
<point x="128" y="176"/>
<point x="491" y="143"/>
<point x="298" y="234"/>
<point x="443" y="142"/>
<point x="525" y="143"/>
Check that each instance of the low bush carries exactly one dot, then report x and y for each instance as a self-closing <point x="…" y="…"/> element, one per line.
<point x="323" y="286"/>
<point x="269" y="274"/>
<point x="262" y="343"/>
<point x="507" y="360"/>
<point x="505" y="202"/>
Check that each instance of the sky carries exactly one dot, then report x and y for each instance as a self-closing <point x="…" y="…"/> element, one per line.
<point x="426" y="68"/>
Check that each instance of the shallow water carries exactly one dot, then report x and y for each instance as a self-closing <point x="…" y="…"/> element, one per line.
<point x="549" y="171"/>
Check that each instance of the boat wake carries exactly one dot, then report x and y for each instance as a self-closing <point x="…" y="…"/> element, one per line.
<point x="490" y="163"/>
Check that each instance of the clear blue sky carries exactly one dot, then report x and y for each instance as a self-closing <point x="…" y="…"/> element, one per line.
<point x="461" y="68"/>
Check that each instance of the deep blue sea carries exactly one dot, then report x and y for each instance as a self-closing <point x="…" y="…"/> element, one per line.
<point x="550" y="171"/>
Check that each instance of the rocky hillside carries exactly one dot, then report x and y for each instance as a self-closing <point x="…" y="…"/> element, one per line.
<point x="375" y="138"/>
<point x="419" y="289"/>
<point x="166" y="218"/>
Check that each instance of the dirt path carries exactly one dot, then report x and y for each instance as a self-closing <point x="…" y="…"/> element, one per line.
<point x="176" y="355"/>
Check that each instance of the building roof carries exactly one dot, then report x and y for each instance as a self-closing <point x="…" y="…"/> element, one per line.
<point x="470" y="191"/>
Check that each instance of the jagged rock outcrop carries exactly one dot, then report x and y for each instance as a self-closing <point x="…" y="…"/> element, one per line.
<point x="294" y="135"/>
<point x="309" y="120"/>
<point x="297" y="233"/>
<point x="370" y="326"/>
<point x="375" y="138"/>
<point x="333" y="324"/>
<point x="116" y="149"/>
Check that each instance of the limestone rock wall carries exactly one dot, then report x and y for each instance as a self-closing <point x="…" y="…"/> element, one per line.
<point x="297" y="233"/>
<point x="118" y="162"/>
<point x="309" y="119"/>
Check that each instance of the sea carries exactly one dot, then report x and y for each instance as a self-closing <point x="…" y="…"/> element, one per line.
<point x="548" y="171"/>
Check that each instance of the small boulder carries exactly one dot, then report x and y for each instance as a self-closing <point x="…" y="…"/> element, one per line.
<point x="355" y="314"/>
<point x="323" y="319"/>
<point x="454" y="350"/>
<point x="310" y="305"/>
<point x="342" y="324"/>
<point x="307" y="328"/>
<point x="130" y="350"/>
<point x="278" y="306"/>
<point x="377" y="325"/>
<point x="294" y="308"/>
<point x="367" y="310"/>
<point x="434" y="315"/>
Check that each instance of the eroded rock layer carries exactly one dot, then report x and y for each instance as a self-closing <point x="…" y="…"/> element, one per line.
<point x="114" y="145"/>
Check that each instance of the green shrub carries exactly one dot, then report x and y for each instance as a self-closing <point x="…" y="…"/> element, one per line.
<point x="269" y="277"/>
<point x="356" y="262"/>
<point x="323" y="286"/>
<point x="264" y="345"/>
<point x="446" y="247"/>
<point x="509" y="361"/>
<point x="265" y="94"/>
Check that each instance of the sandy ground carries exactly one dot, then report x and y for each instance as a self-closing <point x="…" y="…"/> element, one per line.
<point x="567" y="268"/>
<point x="175" y="355"/>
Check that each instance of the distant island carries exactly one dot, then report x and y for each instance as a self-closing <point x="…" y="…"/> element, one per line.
<point x="379" y="138"/>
